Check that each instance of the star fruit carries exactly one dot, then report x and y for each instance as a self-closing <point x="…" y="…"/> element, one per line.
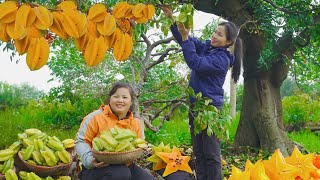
<point x="277" y="168"/>
<point x="175" y="161"/>
<point x="158" y="163"/>
<point x="303" y="162"/>
<point x="237" y="174"/>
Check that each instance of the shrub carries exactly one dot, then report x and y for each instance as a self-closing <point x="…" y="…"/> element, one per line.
<point x="62" y="114"/>
<point x="17" y="95"/>
<point x="300" y="108"/>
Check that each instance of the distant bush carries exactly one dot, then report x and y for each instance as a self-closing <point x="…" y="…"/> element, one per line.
<point x="62" y="114"/>
<point x="17" y="95"/>
<point x="300" y="108"/>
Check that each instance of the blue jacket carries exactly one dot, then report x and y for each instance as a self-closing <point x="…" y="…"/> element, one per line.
<point x="209" y="66"/>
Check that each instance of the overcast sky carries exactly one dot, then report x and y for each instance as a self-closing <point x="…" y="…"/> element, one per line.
<point x="18" y="73"/>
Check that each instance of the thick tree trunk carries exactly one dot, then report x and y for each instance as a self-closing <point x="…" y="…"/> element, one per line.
<point x="260" y="124"/>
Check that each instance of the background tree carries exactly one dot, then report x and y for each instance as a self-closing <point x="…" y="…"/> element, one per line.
<point x="17" y="95"/>
<point x="288" y="87"/>
<point x="275" y="33"/>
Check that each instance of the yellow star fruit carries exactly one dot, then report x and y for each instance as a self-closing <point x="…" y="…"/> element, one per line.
<point x="257" y="171"/>
<point x="158" y="163"/>
<point x="175" y="161"/>
<point x="277" y="168"/>
<point x="303" y="162"/>
<point x="237" y="174"/>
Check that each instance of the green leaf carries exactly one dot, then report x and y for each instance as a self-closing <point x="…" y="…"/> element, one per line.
<point x="182" y="17"/>
<point x="209" y="131"/>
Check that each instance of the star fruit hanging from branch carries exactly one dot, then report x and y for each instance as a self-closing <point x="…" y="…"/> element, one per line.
<point x="31" y="28"/>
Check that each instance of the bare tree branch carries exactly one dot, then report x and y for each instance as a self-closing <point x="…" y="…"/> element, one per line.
<point x="172" y="109"/>
<point x="162" y="41"/>
<point x="183" y="99"/>
<point x="146" y="40"/>
<point x="163" y="56"/>
<point x="149" y="118"/>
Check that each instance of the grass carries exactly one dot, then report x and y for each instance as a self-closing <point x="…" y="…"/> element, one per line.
<point x="233" y="128"/>
<point x="308" y="139"/>
<point x="175" y="132"/>
<point x="12" y="123"/>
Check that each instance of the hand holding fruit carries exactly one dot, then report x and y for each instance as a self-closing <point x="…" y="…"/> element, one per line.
<point x="167" y="10"/>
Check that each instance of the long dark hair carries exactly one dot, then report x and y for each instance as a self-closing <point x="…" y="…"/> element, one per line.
<point x="118" y="85"/>
<point x="232" y="32"/>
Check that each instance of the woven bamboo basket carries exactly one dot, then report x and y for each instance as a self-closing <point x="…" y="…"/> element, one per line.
<point x="58" y="170"/>
<point x="117" y="157"/>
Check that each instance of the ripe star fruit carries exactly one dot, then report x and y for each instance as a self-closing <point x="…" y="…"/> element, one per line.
<point x="237" y="174"/>
<point x="277" y="168"/>
<point x="175" y="161"/>
<point x="158" y="163"/>
<point x="303" y="162"/>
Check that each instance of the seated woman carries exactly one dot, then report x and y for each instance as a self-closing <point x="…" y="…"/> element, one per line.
<point x="115" y="113"/>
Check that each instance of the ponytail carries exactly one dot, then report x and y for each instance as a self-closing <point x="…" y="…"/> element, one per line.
<point x="238" y="54"/>
<point x="232" y="32"/>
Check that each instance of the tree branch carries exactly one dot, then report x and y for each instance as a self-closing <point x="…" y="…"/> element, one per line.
<point x="162" y="41"/>
<point x="149" y="118"/>
<point x="285" y="48"/>
<point x="163" y="56"/>
<point x="146" y="40"/>
<point x="148" y="102"/>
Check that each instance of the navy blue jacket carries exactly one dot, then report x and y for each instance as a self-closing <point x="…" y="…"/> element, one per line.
<point x="209" y="66"/>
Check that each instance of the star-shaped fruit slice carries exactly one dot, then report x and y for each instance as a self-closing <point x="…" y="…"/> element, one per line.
<point x="303" y="162"/>
<point x="175" y="161"/>
<point x="158" y="163"/>
<point x="277" y="168"/>
<point x="237" y="174"/>
<point x="257" y="171"/>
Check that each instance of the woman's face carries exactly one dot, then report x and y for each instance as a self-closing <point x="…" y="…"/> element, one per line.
<point x="121" y="101"/>
<point x="219" y="38"/>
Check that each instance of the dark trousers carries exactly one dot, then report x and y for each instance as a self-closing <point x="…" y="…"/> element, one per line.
<point x="116" y="172"/>
<point x="207" y="152"/>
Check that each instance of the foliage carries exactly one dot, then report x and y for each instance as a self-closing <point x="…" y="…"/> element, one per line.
<point x="17" y="95"/>
<point x="210" y="28"/>
<point x="170" y="133"/>
<point x="306" y="66"/>
<point x="309" y="140"/>
<point x="12" y="121"/>
<point x="209" y="118"/>
<point x="288" y="87"/>
<point x="60" y="114"/>
<point x="294" y="19"/>
<point x="233" y="127"/>
<point x="239" y="96"/>
<point x="301" y="108"/>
